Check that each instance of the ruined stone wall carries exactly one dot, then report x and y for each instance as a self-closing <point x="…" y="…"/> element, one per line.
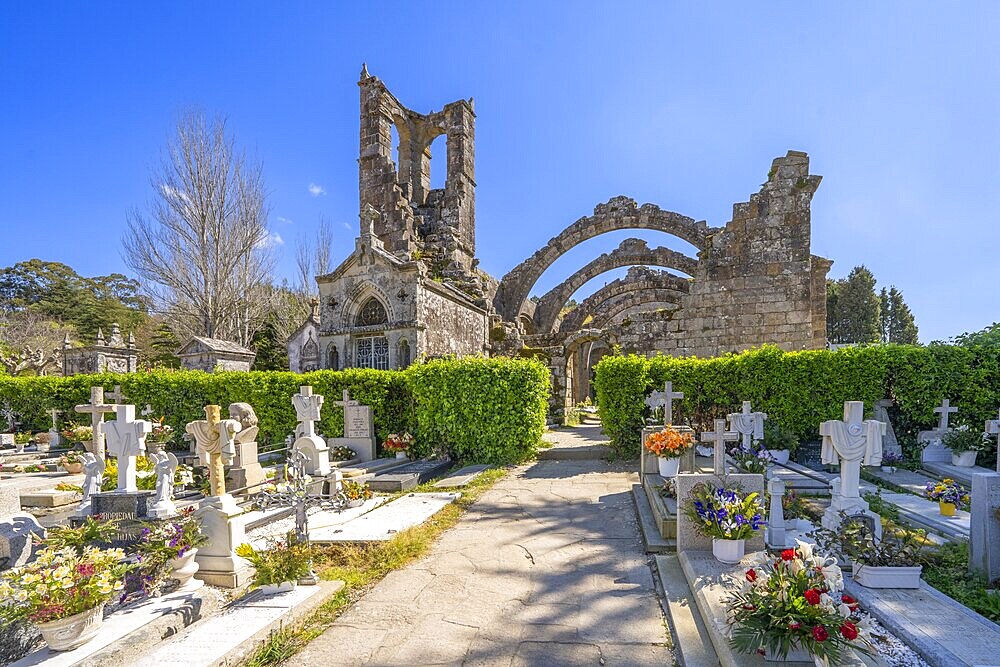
<point x="446" y="325"/>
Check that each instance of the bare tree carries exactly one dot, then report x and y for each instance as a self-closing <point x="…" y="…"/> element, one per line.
<point x="31" y="343"/>
<point x="204" y="251"/>
<point x="312" y="258"/>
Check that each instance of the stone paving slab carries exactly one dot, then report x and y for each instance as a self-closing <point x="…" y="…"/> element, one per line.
<point x="546" y="568"/>
<point x="461" y="477"/>
<point x="384" y="522"/>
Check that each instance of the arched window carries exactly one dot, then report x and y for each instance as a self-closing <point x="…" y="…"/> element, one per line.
<point x="373" y="352"/>
<point x="332" y="358"/>
<point x="372" y="313"/>
<point x="403" y="354"/>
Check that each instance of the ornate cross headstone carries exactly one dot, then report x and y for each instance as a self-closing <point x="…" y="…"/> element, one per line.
<point x="749" y="424"/>
<point x="214" y="441"/>
<point x="719" y="437"/>
<point x="307" y="410"/>
<point x="945" y="410"/>
<point x="993" y="428"/>
<point x="665" y="399"/>
<point x="851" y="442"/>
<point x="126" y="439"/>
<point x="96" y="409"/>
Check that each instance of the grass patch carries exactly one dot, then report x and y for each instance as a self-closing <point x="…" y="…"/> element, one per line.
<point x="947" y="569"/>
<point x="361" y="566"/>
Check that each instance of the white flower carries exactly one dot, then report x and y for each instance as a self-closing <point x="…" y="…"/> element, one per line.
<point x="826" y="602"/>
<point x="796" y="566"/>
<point x="805" y="549"/>
<point x="844" y="610"/>
<point x="833" y="577"/>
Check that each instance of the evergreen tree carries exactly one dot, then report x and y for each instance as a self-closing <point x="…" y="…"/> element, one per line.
<point x="856" y="317"/>
<point x="898" y="325"/>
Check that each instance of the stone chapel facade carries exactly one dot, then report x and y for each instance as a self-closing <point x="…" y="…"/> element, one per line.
<point x="412" y="287"/>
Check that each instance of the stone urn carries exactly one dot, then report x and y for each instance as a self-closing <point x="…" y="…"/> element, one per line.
<point x="66" y="634"/>
<point x="72" y="468"/>
<point x="184" y="568"/>
<point x="154" y="447"/>
<point x="357" y="502"/>
<point x="43" y="445"/>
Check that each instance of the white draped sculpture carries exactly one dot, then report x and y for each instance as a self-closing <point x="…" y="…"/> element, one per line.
<point x="851" y="443"/>
<point x="749" y="424"/>
<point x="126" y="440"/>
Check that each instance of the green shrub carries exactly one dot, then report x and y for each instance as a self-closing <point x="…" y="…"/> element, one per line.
<point x="489" y="410"/>
<point x="798" y="390"/>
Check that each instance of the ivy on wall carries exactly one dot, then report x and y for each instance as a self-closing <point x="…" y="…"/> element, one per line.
<point x="488" y="410"/>
<point x="798" y="390"/>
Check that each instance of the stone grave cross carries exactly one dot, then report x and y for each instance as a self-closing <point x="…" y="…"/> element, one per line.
<point x="126" y="437"/>
<point x="666" y="400"/>
<point x="945" y="411"/>
<point x="748" y="424"/>
<point x="719" y="437"/>
<point x="214" y="440"/>
<point x="55" y="416"/>
<point x="850" y="442"/>
<point x="307" y="409"/>
<point x="117" y="396"/>
<point x="993" y="428"/>
<point x="96" y="409"/>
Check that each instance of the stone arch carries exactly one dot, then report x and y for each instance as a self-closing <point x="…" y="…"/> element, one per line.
<point x="638" y="279"/>
<point x="637" y="301"/>
<point x="578" y="360"/>
<point x="309" y="354"/>
<point x="358" y="297"/>
<point x="631" y="252"/>
<point x="618" y="213"/>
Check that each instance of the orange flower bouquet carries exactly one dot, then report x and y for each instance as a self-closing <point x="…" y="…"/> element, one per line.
<point x="669" y="443"/>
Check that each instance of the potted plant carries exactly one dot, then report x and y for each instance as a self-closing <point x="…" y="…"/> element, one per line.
<point x="669" y="445"/>
<point x="728" y="515"/>
<point x="752" y="458"/>
<point x="72" y="462"/>
<point x="341" y="453"/>
<point x="279" y="567"/>
<point x="780" y="442"/>
<point x="399" y="443"/>
<point x="43" y="441"/>
<point x="356" y="493"/>
<point x="949" y="495"/>
<point x="20" y="440"/>
<point x="63" y="592"/>
<point x="890" y="460"/>
<point x="965" y="445"/>
<point x="793" y="608"/>
<point x="78" y="434"/>
<point x="890" y="562"/>
<point x="159" y="437"/>
<point x="170" y="548"/>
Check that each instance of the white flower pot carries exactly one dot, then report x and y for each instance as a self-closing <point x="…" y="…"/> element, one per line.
<point x="274" y="589"/>
<point x="184" y="569"/>
<point x="400" y="455"/>
<point x="796" y="654"/>
<point x="72" y="632"/>
<point x="357" y="502"/>
<point x="887" y="577"/>
<point x="888" y="469"/>
<point x="669" y="467"/>
<point x="728" y="551"/>
<point x="780" y="455"/>
<point x="964" y="460"/>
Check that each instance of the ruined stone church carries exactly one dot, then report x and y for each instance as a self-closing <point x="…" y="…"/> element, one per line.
<point x="412" y="287"/>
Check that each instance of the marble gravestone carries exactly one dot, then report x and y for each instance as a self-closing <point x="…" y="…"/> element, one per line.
<point x="359" y="429"/>
<point x="307" y="409"/>
<point x="984" y="526"/>
<point x="993" y="428"/>
<point x="126" y="505"/>
<point x="648" y="463"/>
<point x="851" y="443"/>
<point x="933" y="451"/>
<point x="890" y="445"/>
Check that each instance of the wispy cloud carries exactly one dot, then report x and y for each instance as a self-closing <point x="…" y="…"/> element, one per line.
<point x="316" y="190"/>
<point x="271" y="240"/>
<point x="284" y="221"/>
<point x="347" y="226"/>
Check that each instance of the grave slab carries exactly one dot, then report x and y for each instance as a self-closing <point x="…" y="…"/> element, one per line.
<point x="926" y="514"/>
<point x="652" y="539"/>
<point x="461" y="477"/>
<point x="943" y="469"/>
<point x="409" y="476"/>
<point x="369" y="467"/>
<point x="321" y="520"/>
<point x="384" y="522"/>
<point x="940" y="630"/>
<point x="984" y="538"/>
<point x="690" y="633"/>
<point x="49" y="498"/>
<point x="231" y="636"/>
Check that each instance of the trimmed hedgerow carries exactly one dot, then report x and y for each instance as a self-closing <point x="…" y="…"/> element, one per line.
<point x="477" y="409"/>
<point x="801" y="389"/>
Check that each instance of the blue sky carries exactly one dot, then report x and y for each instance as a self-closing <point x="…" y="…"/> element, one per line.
<point x="680" y="104"/>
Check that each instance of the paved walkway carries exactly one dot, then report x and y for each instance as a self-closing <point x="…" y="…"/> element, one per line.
<point x="545" y="569"/>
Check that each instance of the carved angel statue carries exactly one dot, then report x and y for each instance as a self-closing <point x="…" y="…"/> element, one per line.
<point x="93" y="466"/>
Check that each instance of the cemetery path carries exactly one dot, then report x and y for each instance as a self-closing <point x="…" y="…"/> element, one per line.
<point x="546" y="568"/>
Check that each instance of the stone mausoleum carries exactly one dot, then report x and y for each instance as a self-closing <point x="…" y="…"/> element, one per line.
<point x="412" y="287"/>
<point x="114" y="354"/>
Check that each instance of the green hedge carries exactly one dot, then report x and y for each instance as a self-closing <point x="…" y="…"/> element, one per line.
<point x="488" y="410"/>
<point x="801" y="389"/>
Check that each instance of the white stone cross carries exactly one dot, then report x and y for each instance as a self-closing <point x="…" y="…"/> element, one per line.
<point x="55" y="415"/>
<point x="126" y="440"/>
<point x="945" y="410"/>
<point x="993" y="428"/>
<point x="719" y="437"/>
<point x="852" y="442"/>
<point x="666" y="400"/>
<point x="117" y="396"/>
<point x="96" y="409"/>
<point x="307" y="409"/>
<point x="749" y="424"/>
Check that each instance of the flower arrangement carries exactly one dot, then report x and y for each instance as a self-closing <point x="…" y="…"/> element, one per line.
<point x="93" y="531"/>
<point x="398" y="442"/>
<point x="725" y="514"/>
<point x="71" y="457"/>
<point x="752" y="458"/>
<point x="161" y="433"/>
<point x="342" y="453"/>
<point x="62" y="583"/>
<point x="32" y="467"/>
<point x="278" y="564"/>
<point x="22" y="438"/>
<point x="796" y="602"/>
<point x="73" y="433"/>
<point x="947" y="491"/>
<point x="890" y="459"/>
<point x="669" y="443"/>
<point x="964" y="439"/>
<point x="778" y="438"/>
<point x="669" y="488"/>
<point x="355" y="490"/>
<point x="164" y="541"/>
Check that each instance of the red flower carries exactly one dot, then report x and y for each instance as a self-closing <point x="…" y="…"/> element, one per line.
<point x="812" y="596"/>
<point x="849" y="630"/>
<point x="849" y="601"/>
<point x="820" y="634"/>
<point x="794" y="625"/>
<point x="788" y="554"/>
<point x="751" y="575"/>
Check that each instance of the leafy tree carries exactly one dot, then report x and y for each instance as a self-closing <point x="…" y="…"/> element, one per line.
<point x="856" y="316"/>
<point x="898" y="325"/>
<point x="988" y="337"/>
<point x="272" y="354"/>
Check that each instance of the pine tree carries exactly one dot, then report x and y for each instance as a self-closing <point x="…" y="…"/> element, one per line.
<point x="857" y="315"/>
<point x="898" y="325"/>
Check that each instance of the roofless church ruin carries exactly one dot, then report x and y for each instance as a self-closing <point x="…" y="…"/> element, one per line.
<point x="413" y="287"/>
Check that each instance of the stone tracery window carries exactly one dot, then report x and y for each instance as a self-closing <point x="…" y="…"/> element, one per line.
<point x="372" y="313"/>
<point x="373" y="352"/>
